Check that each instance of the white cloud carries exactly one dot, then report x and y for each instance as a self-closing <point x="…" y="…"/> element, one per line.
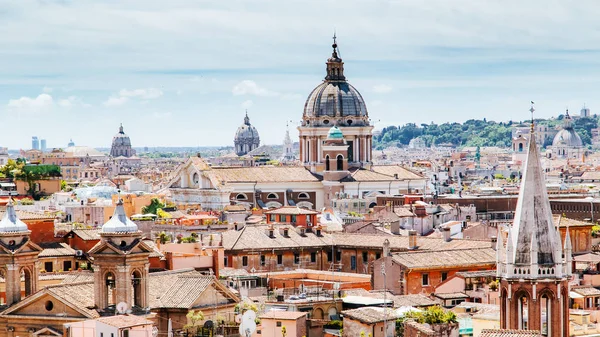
<point x="248" y="87"/>
<point x="382" y="89"/>
<point x="47" y="90"/>
<point x="247" y="104"/>
<point x="148" y="93"/>
<point x="116" y="101"/>
<point x="72" y="101"/>
<point x="41" y="102"/>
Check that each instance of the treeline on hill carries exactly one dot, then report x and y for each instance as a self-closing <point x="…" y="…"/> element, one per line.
<point x="474" y="132"/>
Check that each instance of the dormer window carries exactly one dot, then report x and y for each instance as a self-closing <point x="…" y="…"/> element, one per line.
<point x="286" y="233"/>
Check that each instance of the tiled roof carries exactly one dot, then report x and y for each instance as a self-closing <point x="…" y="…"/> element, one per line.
<point x="371" y="315"/>
<point x="294" y="210"/>
<point x="509" y="333"/>
<point x="161" y="282"/>
<point x="587" y="291"/>
<point x="283" y="315"/>
<point x="80" y="295"/>
<point x="383" y="173"/>
<point x="477" y="273"/>
<point x="413" y="300"/>
<point x="26" y="215"/>
<point x="185" y="290"/>
<point x="78" y="277"/>
<point x="589" y="257"/>
<point x="562" y="221"/>
<point x="403" y="212"/>
<point x="124" y="321"/>
<point x="263" y="174"/>
<point x="446" y="258"/>
<point x="155" y="251"/>
<point x="447" y="296"/>
<point x="53" y="249"/>
<point x="256" y="237"/>
<point x="87" y="234"/>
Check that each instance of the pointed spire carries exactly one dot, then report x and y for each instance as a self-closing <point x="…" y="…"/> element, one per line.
<point x="10" y="223"/>
<point x="532" y="110"/>
<point x="500" y="253"/>
<point x="510" y="249"/>
<point x="533" y="217"/>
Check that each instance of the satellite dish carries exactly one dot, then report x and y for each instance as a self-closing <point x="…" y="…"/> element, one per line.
<point x="208" y="324"/>
<point x="248" y="325"/>
<point x="122" y="307"/>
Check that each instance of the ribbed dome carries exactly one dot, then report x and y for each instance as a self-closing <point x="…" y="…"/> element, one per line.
<point x="121" y="138"/>
<point x="335" y="99"/>
<point x="119" y="223"/>
<point x="246" y="138"/>
<point x="10" y="223"/>
<point x="245" y="132"/>
<point x="567" y="137"/>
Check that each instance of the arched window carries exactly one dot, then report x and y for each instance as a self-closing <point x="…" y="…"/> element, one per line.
<point x="110" y="284"/>
<point x="272" y="196"/>
<point x="303" y="195"/>
<point x="520" y="147"/>
<point x="136" y="282"/>
<point x="196" y="178"/>
<point x="523" y="312"/>
<point x="26" y="275"/>
<point x="545" y="314"/>
<point x="340" y="162"/>
<point x="327" y="163"/>
<point x="241" y="196"/>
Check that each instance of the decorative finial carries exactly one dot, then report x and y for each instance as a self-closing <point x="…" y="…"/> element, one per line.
<point x="247" y="119"/>
<point x="567" y="112"/>
<point x="532" y="110"/>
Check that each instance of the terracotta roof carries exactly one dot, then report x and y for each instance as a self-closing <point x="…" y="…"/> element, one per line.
<point x="477" y="273"/>
<point x="371" y="315"/>
<point x="561" y="221"/>
<point x="87" y="234"/>
<point x="77" y="294"/>
<point x="509" y="333"/>
<point x="53" y="249"/>
<point x="155" y="251"/>
<point x="161" y="282"/>
<point x="446" y="258"/>
<point x="383" y="173"/>
<point x="78" y="277"/>
<point x="447" y="296"/>
<point x="26" y="215"/>
<point x="263" y="174"/>
<point x="413" y="300"/>
<point x="587" y="291"/>
<point x="589" y="257"/>
<point x="283" y="315"/>
<point x="403" y="212"/>
<point x="124" y="321"/>
<point x="184" y="291"/>
<point x="291" y="210"/>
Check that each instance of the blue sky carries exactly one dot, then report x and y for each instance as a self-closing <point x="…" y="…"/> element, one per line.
<point x="181" y="73"/>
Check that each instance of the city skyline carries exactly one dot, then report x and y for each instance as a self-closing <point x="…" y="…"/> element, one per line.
<point x="170" y="76"/>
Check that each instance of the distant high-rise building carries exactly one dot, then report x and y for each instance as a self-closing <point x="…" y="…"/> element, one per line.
<point x="43" y="145"/>
<point x="35" y="143"/>
<point x="585" y="112"/>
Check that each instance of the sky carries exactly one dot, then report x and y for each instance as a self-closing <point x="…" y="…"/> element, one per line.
<point x="182" y="73"/>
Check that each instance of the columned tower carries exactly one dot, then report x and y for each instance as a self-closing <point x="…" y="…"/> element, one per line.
<point x="121" y="264"/>
<point x="335" y="103"/>
<point x="534" y="287"/>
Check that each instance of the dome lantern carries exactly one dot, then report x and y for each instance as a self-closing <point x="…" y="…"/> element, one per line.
<point x="335" y="133"/>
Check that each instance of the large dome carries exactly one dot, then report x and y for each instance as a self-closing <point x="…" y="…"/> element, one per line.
<point x="121" y="138"/>
<point x="567" y="137"/>
<point x="121" y="145"/>
<point x="335" y="99"/>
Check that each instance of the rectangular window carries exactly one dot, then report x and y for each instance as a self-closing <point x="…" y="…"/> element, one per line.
<point x="313" y="257"/>
<point x="425" y="279"/>
<point x="125" y="333"/>
<point x="225" y="261"/>
<point x="353" y="262"/>
<point x="329" y="256"/>
<point x="296" y="258"/>
<point x="48" y="266"/>
<point x="338" y="256"/>
<point x="272" y="217"/>
<point x="279" y="259"/>
<point x="263" y="260"/>
<point x="279" y="324"/>
<point x="67" y="265"/>
<point x="293" y="219"/>
<point x="365" y="257"/>
<point x="444" y="276"/>
<point x="282" y="218"/>
<point x="245" y="261"/>
<point x="377" y="256"/>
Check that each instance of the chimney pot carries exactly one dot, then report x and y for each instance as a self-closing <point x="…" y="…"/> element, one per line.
<point x="494" y="242"/>
<point x="412" y="239"/>
<point x="446" y="231"/>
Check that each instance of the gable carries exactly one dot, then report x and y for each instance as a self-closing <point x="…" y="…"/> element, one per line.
<point x="45" y="305"/>
<point x="46" y="332"/>
<point x="211" y="296"/>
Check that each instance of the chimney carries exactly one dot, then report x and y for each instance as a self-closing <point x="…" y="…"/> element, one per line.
<point x="412" y="239"/>
<point x="386" y="248"/>
<point x="446" y="231"/>
<point x="494" y="243"/>
<point x="238" y="226"/>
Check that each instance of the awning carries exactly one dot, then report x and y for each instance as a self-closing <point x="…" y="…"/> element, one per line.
<point x="573" y="294"/>
<point x="7" y="185"/>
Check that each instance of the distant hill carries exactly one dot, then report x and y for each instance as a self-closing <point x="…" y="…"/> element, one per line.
<point x="474" y="132"/>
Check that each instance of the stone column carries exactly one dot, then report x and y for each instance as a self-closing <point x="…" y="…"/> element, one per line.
<point x="13" y="284"/>
<point x="123" y="285"/>
<point x="319" y="153"/>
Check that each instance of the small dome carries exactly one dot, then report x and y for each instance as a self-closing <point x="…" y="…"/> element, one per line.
<point x="335" y="133"/>
<point x="10" y="223"/>
<point x="119" y="223"/>
<point x="246" y="138"/>
<point x="246" y="132"/>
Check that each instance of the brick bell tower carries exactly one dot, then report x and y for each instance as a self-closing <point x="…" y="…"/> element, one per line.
<point x="532" y="267"/>
<point x="18" y="256"/>
<point x="121" y="264"/>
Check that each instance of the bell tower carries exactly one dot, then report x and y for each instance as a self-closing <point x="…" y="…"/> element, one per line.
<point x="18" y="256"/>
<point x="121" y="264"/>
<point x="534" y="275"/>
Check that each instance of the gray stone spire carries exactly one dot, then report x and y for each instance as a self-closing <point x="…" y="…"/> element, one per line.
<point x="533" y="217"/>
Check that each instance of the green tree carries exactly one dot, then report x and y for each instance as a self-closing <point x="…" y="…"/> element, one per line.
<point x="194" y="317"/>
<point x="155" y="204"/>
<point x="11" y="168"/>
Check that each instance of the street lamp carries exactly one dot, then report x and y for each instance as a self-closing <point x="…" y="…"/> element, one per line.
<point x="591" y="200"/>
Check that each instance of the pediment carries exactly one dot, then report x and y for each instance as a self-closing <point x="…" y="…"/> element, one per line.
<point x="45" y="332"/>
<point x="104" y="248"/>
<point x="38" y="304"/>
